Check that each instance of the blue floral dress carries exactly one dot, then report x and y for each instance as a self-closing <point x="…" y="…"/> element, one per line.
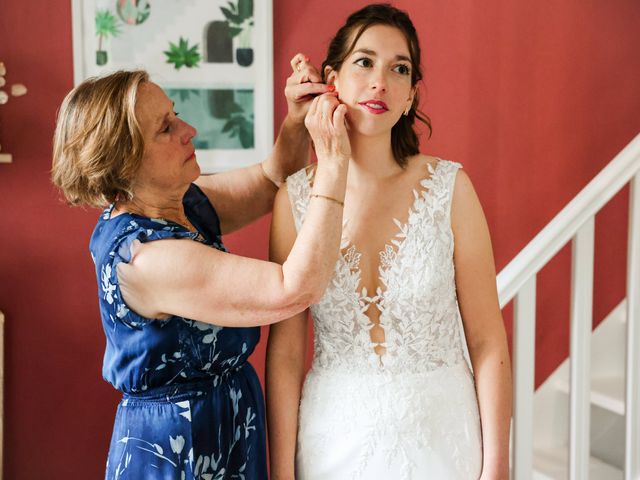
<point x="192" y="406"/>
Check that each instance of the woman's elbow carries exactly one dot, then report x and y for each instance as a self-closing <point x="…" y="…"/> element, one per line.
<point x="296" y="297"/>
<point x="296" y="301"/>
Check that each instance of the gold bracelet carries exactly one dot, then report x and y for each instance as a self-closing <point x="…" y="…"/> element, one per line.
<point x="265" y="175"/>
<point x="328" y="198"/>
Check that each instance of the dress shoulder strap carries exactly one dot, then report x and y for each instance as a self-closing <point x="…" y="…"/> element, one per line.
<point x="299" y="190"/>
<point x="444" y="180"/>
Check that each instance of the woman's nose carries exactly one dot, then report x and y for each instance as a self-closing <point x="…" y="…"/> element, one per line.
<point x="188" y="133"/>
<point x="378" y="81"/>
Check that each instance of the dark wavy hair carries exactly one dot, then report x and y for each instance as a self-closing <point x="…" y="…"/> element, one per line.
<point x="404" y="139"/>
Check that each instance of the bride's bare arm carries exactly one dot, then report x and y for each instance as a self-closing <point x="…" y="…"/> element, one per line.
<point x="286" y="352"/>
<point x="483" y="325"/>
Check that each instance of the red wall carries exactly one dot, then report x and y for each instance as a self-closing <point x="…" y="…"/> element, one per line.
<point x="533" y="97"/>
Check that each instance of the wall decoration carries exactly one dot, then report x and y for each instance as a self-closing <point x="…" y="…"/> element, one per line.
<point x="16" y="90"/>
<point x="214" y="59"/>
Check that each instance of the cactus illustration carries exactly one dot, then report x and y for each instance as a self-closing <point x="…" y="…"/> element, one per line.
<point x="183" y="55"/>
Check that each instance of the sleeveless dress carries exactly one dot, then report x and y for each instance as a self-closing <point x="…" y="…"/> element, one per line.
<point x="192" y="406"/>
<point x="412" y="412"/>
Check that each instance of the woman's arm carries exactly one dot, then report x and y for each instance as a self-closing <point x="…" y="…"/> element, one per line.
<point x="286" y="352"/>
<point x="242" y="196"/>
<point x="483" y="325"/>
<point x="186" y="278"/>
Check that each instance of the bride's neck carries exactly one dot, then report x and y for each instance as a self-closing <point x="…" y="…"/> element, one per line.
<point x="372" y="158"/>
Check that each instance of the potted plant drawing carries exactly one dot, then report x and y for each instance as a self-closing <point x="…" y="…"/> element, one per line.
<point x="239" y="124"/>
<point x="240" y="19"/>
<point x="106" y="26"/>
<point x="182" y="54"/>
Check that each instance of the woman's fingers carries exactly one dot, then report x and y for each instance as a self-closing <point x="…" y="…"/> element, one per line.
<point x="308" y="73"/>
<point x="297" y="59"/>
<point x="328" y="105"/>
<point x="326" y="124"/>
<point x="340" y="119"/>
<point x="313" y="107"/>
<point x="302" y="86"/>
<point x="303" y="71"/>
<point x="301" y="92"/>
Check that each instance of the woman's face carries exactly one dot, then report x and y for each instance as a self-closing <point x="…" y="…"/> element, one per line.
<point x="374" y="80"/>
<point x="169" y="161"/>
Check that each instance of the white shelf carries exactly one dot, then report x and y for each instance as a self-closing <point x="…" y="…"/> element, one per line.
<point x="554" y="465"/>
<point x="606" y="392"/>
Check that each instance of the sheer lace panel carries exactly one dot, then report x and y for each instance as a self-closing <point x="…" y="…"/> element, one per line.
<point x="415" y="297"/>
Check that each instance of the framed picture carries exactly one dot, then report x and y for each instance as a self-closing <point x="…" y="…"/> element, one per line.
<point x="213" y="58"/>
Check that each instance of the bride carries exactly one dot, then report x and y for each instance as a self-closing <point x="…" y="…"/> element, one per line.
<point x="390" y="394"/>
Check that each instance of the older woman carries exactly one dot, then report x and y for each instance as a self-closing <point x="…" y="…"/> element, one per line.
<point x="168" y="291"/>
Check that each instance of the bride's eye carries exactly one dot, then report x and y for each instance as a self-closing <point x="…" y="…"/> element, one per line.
<point x="402" y="69"/>
<point x="364" y="62"/>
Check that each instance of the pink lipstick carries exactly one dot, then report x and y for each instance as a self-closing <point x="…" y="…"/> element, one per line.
<point x="376" y="107"/>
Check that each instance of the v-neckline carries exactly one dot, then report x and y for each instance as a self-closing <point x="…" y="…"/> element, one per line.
<point x="350" y="255"/>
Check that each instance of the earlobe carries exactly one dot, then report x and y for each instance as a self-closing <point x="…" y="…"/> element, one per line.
<point x="410" y="99"/>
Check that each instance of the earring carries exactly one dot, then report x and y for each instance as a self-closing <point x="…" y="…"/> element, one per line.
<point x="406" y="112"/>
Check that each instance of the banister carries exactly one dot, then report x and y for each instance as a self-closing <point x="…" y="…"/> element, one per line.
<point x="566" y="223"/>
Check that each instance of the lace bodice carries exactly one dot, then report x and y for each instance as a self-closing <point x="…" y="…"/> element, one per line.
<point x="416" y="297"/>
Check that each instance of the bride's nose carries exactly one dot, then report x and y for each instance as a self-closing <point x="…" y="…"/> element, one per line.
<point x="378" y="81"/>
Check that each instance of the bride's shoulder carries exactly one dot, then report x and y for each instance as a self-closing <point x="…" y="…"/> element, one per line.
<point x="422" y="161"/>
<point x="447" y="169"/>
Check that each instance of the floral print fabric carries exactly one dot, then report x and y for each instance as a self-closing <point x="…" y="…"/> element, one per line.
<point x="192" y="406"/>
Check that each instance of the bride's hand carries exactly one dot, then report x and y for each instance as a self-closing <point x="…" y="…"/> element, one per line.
<point x="302" y="86"/>
<point x="327" y="125"/>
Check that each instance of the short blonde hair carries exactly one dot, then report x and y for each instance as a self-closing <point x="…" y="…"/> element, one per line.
<point x="98" y="144"/>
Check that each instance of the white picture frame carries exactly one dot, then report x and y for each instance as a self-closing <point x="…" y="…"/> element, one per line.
<point x="227" y="95"/>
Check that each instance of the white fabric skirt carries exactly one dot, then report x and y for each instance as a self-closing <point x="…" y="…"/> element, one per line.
<point x="384" y="426"/>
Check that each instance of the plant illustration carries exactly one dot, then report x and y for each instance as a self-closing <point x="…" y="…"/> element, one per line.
<point x="182" y="55"/>
<point x="240" y="19"/>
<point x="184" y="94"/>
<point x="134" y="12"/>
<point x="106" y="26"/>
<point x="239" y="125"/>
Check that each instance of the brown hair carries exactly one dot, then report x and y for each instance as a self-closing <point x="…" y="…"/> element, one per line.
<point x="404" y="139"/>
<point x="97" y="144"/>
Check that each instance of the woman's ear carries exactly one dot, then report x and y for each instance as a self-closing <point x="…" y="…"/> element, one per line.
<point x="412" y="95"/>
<point x="330" y="75"/>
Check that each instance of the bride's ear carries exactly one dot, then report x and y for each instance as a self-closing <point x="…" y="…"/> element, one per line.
<point x="330" y="76"/>
<point x="412" y="96"/>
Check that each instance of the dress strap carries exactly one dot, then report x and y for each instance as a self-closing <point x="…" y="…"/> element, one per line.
<point x="299" y="190"/>
<point x="446" y="172"/>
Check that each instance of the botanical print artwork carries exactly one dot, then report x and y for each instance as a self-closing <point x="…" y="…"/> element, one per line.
<point x="213" y="57"/>
<point x="223" y="117"/>
<point x="219" y="31"/>
<point x="133" y="12"/>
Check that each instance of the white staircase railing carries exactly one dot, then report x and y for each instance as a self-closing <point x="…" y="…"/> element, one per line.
<point x="517" y="281"/>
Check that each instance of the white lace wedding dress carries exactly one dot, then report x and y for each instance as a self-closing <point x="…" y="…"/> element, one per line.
<point x="411" y="412"/>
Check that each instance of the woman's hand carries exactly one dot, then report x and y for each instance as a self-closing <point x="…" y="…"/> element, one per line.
<point x="326" y="122"/>
<point x="302" y="86"/>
